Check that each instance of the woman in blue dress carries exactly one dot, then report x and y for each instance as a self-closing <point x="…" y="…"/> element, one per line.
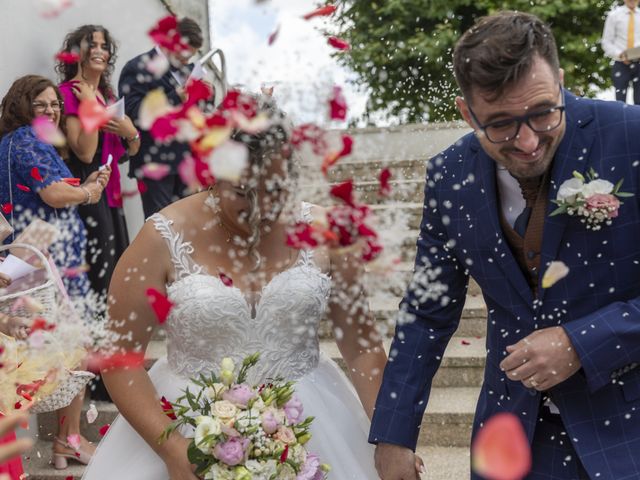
<point x="36" y="183"/>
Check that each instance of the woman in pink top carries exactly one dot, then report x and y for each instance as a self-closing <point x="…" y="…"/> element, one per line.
<point x="89" y="79"/>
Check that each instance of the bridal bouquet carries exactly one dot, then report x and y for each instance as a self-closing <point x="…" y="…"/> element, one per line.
<point x="244" y="432"/>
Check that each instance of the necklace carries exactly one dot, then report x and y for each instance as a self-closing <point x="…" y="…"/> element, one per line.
<point x="212" y="202"/>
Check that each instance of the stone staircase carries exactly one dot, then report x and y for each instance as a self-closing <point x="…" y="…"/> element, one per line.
<point x="446" y="428"/>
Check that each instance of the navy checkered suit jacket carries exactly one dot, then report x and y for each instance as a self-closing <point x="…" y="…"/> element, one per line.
<point x="598" y="303"/>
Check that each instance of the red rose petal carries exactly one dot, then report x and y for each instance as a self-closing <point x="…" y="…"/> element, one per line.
<point x="337" y="104"/>
<point x="35" y="174"/>
<point x="7" y="208"/>
<point x="225" y="279"/>
<point x="274" y="35"/>
<point x="103" y="429"/>
<point x="284" y="454"/>
<point x="98" y="361"/>
<point x="320" y="12"/>
<point x="68" y="57"/>
<point x="160" y="304"/>
<point x="40" y="323"/>
<point x="24" y="188"/>
<point x="167" y="408"/>
<point x="92" y="115"/>
<point x="501" y="450"/>
<point x="197" y="90"/>
<point x="338" y="43"/>
<point x="465" y="342"/>
<point x="302" y="235"/>
<point x="344" y="192"/>
<point x="385" y="188"/>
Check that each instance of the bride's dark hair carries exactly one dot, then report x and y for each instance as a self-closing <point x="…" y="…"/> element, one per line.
<point x="263" y="147"/>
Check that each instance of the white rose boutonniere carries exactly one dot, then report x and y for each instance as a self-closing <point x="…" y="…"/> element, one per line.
<point x="594" y="200"/>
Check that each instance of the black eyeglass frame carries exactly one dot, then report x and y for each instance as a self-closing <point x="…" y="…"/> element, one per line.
<point x="520" y="120"/>
<point x="39" y="106"/>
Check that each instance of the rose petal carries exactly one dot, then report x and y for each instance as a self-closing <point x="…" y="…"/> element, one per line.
<point x="48" y="132"/>
<point x="500" y="450"/>
<point x="103" y="429"/>
<point x="99" y="361"/>
<point x="273" y="36"/>
<point x="155" y="171"/>
<point x="52" y="8"/>
<point x="153" y="106"/>
<point x="73" y="272"/>
<point x="320" y="12"/>
<point x="160" y="304"/>
<point x="92" y="115"/>
<point x="7" y="208"/>
<point x="229" y="160"/>
<point x="254" y="125"/>
<point x="332" y="157"/>
<point x="74" y="440"/>
<point x="302" y="235"/>
<point x="385" y="187"/>
<point x="165" y="34"/>
<point x="197" y="90"/>
<point x="24" y="188"/>
<point x="337" y="104"/>
<point x="92" y="413"/>
<point x="35" y="174"/>
<point x="344" y="192"/>
<point x="338" y="43"/>
<point x="71" y="58"/>
<point x="555" y="272"/>
<point x="167" y="408"/>
<point x="164" y="128"/>
<point x="225" y="279"/>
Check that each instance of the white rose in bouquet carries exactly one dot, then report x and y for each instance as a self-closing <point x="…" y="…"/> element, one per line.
<point x="215" y="391"/>
<point x="224" y="410"/>
<point x="219" y="472"/>
<point x="247" y="418"/>
<point x="206" y="426"/>
<point x="262" y="471"/>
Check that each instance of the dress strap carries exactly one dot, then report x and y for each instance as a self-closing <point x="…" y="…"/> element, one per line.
<point x="179" y="250"/>
<point x="306" y="254"/>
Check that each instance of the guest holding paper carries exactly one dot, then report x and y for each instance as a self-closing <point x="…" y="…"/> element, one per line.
<point x="87" y="81"/>
<point x="622" y="33"/>
<point x="36" y="183"/>
<point x="141" y="75"/>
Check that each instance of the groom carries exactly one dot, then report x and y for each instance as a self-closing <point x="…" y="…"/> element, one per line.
<point x="562" y="359"/>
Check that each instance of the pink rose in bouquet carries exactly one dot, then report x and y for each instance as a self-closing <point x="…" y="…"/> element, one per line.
<point x="604" y="201"/>
<point x="270" y="421"/>
<point x="232" y="451"/>
<point x="239" y="395"/>
<point x="311" y="469"/>
<point x="293" y="410"/>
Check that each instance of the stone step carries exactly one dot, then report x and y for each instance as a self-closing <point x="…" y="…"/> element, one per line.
<point x="107" y="412"/>
<point x="448" y="419"/>
<point x="389" y="213"/>
<point x="441" y="463"/>
<point x="445" y="463"/>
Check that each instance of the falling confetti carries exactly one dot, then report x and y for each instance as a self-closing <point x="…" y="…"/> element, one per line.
<point x="92" y="115"/>
<point x="338" y="43"/>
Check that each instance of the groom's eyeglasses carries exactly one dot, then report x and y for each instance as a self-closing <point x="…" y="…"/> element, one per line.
<point x="542" y="121"/>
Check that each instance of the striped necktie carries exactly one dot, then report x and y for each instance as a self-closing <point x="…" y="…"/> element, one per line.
<point x="631" y="29"/>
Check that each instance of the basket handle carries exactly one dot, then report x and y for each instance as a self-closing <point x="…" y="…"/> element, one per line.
<point x="33" y="249"/>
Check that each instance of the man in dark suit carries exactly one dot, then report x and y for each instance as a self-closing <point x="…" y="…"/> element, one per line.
<point x="136" y="81"/>
<point x="563" y="358"/>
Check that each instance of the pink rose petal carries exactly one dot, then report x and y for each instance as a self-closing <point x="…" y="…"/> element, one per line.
<point x="155" y="171"/>
<point x="74" y="441"/>
<point x="92" y="413"/>
<point x="48" y="132"/>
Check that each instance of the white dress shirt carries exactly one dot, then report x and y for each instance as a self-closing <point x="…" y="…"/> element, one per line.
<point x="616" y="27"/>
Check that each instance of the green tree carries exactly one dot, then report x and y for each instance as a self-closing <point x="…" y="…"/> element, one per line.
<point x="401" y="49"/>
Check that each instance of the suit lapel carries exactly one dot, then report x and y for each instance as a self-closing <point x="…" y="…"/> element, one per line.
<point x="489" y="221"/>
<point x="572" y="155"/>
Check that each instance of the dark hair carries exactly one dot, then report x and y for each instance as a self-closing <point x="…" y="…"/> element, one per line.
<point x="191" y="31"/>
<point x="79" y="41"/>
<point x="499" y="50"/>
<point x="16" y="109"/>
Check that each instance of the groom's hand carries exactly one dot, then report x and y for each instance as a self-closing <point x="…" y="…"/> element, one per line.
<point x="394" y="462"/>
<point x="542" y="360"/>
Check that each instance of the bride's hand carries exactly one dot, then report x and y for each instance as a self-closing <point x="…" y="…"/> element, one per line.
<point x="177" y="461"/>
<point x="419" y="465"/>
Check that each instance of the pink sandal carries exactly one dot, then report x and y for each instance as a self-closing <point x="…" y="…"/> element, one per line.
<point x="60" y="459"/>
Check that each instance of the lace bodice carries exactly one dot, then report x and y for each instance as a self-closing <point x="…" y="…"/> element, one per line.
<point x="210" y="321"/>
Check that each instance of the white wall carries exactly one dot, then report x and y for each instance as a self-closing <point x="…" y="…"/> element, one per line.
<point x="28" y="43"/>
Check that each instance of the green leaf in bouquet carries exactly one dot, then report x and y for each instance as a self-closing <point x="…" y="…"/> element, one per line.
<point x="625" y="194"/>
<point x="202" y="461"/>
<point x="561" y="209"/>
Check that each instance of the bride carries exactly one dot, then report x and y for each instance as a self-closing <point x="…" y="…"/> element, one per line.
<point x="221" y="257"/>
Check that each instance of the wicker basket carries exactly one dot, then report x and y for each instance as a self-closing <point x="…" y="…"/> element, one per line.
<point x="40" y="286"/>
<point x="64" y="393"/>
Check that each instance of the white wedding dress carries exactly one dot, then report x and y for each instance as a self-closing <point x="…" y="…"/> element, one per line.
<point x="210" y="321"/>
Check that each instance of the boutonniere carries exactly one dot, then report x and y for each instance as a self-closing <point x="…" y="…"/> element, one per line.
<point x="594" y="200"/>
